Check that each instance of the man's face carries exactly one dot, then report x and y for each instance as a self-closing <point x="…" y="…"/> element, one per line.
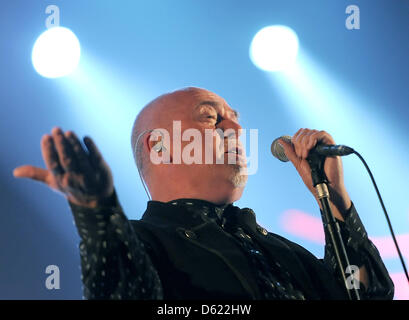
<point x="222" y="164"/>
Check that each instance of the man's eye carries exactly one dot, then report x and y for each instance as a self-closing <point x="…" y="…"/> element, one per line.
<point x="215" y="117"/>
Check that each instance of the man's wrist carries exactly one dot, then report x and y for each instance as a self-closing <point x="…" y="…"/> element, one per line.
<point x="339" y="201"/>
<point x="94" y="222"/>
<point x="107" y="201"/>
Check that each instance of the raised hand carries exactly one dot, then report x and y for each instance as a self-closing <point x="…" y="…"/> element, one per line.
<point x="297" y="152"/>
<point x="81" y="175"/>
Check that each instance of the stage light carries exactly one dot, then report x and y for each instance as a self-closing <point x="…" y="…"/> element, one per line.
<point x="274" y="48"/>
<point x="56" y="53"/>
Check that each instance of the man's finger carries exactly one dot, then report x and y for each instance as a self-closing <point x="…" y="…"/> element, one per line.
<point x="50" y="155"/>
<point x="95" y="155"/>
<point x="324" y="137"/>
<point x="31" y="172"/>
<point x="295" y="135"/>
<point x="80" y="154"/>
<point x="296" y="142"/>
<point x="64" y="150"/>
<point x="303" y="146"/>
<point x="312" y="140"/>
<point x="308" y="143"/>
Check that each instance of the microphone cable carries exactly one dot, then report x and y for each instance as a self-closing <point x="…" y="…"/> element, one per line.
<point x="385" y="212"/>
<point x="278" y="151"/>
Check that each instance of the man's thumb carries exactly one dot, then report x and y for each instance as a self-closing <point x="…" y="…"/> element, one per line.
<point x="30" y="172"/>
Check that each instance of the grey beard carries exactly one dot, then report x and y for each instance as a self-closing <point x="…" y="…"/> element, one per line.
<point x="239" y="176"/>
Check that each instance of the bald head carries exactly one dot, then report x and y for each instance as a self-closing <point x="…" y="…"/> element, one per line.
<point x="160" y="113"/>
<point x="198" y="110"/>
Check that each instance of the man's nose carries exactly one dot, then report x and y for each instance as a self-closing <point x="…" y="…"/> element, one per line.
<point x="229" y="124"/>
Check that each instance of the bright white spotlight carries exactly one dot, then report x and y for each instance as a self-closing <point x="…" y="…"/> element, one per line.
<point x="274" y="48"/>
<point x="56" y="53"/>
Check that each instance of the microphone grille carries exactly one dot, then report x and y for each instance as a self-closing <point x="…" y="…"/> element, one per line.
<point x="277" y="149"/>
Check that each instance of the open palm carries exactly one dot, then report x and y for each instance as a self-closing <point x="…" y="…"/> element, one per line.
<point x="81" y="175"/>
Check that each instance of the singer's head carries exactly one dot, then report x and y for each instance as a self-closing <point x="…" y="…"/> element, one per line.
<point x="198" y="134"/>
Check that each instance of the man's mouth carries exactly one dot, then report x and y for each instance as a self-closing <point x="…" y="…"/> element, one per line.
<point x="239" y="156"/>
<point x="237" y="151"/>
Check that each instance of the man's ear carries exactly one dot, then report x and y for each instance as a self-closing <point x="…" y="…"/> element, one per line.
<point x="158" y="147"/>
<point x="156" y="144"/>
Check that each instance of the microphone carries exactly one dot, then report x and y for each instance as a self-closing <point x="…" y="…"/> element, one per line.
<point x="322" y="149"/>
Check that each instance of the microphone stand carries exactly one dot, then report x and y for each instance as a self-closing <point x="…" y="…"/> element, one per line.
<point x="319" y="181"/>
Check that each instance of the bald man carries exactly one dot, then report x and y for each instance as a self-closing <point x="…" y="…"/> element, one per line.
<point x="192" y="242"/>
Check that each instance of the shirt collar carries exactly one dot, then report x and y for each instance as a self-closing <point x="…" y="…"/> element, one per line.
<point x="211" y="210"/>
<point x="192" y="212"/>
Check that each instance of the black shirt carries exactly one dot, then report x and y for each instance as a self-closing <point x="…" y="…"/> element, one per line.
<point x="193" y="249"/>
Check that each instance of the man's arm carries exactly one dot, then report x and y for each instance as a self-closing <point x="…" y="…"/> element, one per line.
<point x="375" y="282"/>
<point x="114" y="262"/>
<point x="372" y="271"/>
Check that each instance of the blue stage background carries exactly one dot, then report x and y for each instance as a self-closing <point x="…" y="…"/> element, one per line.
<point x="352" y="83"/>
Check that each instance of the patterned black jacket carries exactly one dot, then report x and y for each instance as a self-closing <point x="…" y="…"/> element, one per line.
<point x="190" y="249"/>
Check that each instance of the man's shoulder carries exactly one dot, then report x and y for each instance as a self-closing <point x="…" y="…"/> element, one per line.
<point x="151" y="226"/>
<point x="142" y="224"/>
